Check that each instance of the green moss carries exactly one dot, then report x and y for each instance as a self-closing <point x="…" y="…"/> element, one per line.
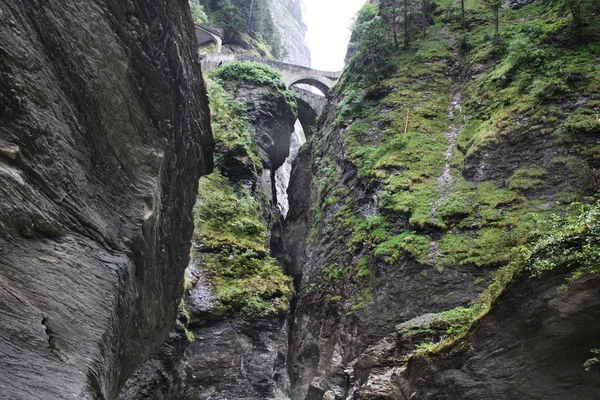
<point x="361" y="267"/>
<point x="227" y="214"/>
<point x="255" y="74"/>
<point x="189" y="335"/>
<point x="330" y="272"/>
<point x="572" y="240"/>
<point x="247" y="282"/>
<point x="367" y="233"/>
<point x="408" y="242"/>
<point x="568" y="241"/>
<point x="459" y="203"/>
<point x="231" y="130"/>
<point x="526" y="82"/>
<point x="526" y="179"/>
<point x="361" y="300"/>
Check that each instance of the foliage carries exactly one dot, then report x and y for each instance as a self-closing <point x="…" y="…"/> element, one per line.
<point x="256" y="74"/>
<point x="361" y="268"/>
<point x="371" y="44"/>
<point x="198" y="13"/>
<point x="533" y="83"/>
<point x="230" y="229"/>
<point x="232" y="238"/>
<point x="572" y="240"/>
<point x="590" y="362"/>
<point x="331" y="272"/>
<point x="247" y="282"/>
<point x="409" y="242"/>
<point x="227" y="214"/>
<point x="231" y="130"/>
<point x="240" y="19"/>
<point x="184" y="325"/>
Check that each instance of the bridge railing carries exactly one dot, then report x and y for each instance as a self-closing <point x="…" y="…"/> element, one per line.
<point x="212" y="60"/>
<point x="212" y="29"/>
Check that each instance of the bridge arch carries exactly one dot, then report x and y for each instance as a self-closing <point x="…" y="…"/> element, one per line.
<point x="307" y="117"/>
<point x="313" y="81"/>
<point x="207" y="35"/>
<point x="292" y="75"/>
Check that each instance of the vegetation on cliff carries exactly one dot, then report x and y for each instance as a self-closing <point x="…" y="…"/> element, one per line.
<point x="231" y="224"/>
<point x="475" y="152"/>
<point x="571" y="241"/>
<point x="246" y="22"/>
<point x="256" y="74"/>
<point x="416" y="121"/>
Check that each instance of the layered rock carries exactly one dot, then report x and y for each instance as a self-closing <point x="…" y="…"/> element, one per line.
<point x="104" y="133"/>
<point x="531" y="345"/>
<point x="425" y="177"/>
<point x="230" y="341"/>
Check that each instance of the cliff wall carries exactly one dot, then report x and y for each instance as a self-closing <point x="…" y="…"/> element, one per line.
<point x="104" y="133"/>
<point x="230" y="341"/>
<point x="441" y="156"/>
<point x="287" y="15"/>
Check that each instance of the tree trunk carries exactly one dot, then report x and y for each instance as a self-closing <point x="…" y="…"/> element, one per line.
<point x="395" y="24"/>
<point x="462" y="14"/>
<point x="406" y="24"/>
<point x="424" y="12"/>
<point x="496" y="22"/>
<point x="573" y="8"/>
<point x="250" y="14"/>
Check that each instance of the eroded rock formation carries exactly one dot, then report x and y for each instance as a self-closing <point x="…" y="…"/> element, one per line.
<point x="103" y="135"/>
<point x="234" y="347"/>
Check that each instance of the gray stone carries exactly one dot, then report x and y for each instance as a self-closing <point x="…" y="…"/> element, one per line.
<point x="104" y="133"/>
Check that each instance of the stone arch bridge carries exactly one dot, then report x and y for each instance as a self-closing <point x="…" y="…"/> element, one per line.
<point x="209" y="34"/>
<point x="310" y="105"/>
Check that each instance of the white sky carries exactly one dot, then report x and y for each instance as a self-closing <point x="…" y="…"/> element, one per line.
<point x="328" y="30"/>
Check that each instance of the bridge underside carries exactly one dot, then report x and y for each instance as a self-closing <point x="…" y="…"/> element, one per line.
<point x="322" y="86"/>
<point x="307" y="117"/>
<point x="206" y="38"/>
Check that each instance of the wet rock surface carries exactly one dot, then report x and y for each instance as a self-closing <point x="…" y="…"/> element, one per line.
<point x="270" y="117"/>
<point x="226" y="354"/>
<point x="531" y="345"/>
<point x="103" y="136"/>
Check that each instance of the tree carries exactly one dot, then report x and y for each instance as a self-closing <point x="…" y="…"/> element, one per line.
<point x="495" y="5"/>
<point x="462" y="15"/>
<point x="198" y="13"/>
<point x="574" y="7"/>
<point x="406" y="24"/>
<point x="496" y="8"/>
<point x="370" y="44"/>
<point x="250" y="14"/>
<point x="424" y="13"/>
<point x="388" y="9"/>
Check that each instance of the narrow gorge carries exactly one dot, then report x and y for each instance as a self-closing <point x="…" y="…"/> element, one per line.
<point x="190" y="211"/>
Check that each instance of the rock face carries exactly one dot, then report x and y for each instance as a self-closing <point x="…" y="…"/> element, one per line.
<point x="227" y="353"/>
<point x="531" y="345"/>
<point x="283" y="174"/>
<point x="391" y="173"/>
<point x="271" y="118"/>
<point x="287" y="15"/>
<point x="103" y="136"/>
<point x="335" y="320"/>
